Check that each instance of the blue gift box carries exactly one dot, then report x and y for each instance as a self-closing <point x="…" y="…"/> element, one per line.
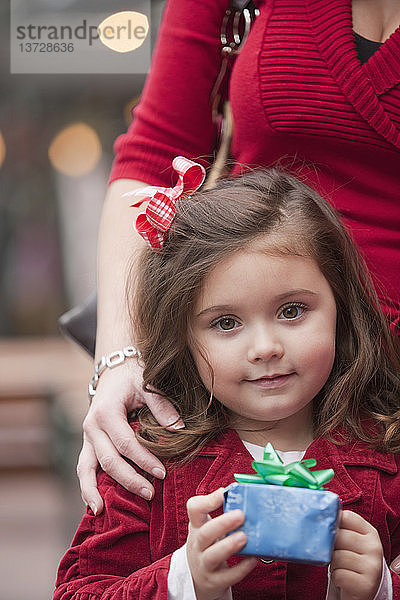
<point x="289" y="524"/>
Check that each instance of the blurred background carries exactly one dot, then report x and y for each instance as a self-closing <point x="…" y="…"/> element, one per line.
<point x="56" y="137"/>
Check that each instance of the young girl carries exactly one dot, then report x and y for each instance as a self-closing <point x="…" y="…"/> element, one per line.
<point x="257" y="320"/>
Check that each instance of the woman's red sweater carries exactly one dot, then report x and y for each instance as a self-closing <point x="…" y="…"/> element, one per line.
<point x="300" y="97"/>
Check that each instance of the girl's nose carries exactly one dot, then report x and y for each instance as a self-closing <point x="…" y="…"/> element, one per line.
<point x="265" y="345"/>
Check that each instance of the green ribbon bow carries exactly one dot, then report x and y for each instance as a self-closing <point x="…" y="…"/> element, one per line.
<point x="271" y="470"/>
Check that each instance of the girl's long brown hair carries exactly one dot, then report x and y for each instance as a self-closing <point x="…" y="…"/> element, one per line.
<point x="362" y="393"/>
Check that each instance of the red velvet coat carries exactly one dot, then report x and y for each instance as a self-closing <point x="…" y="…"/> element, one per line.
<point x="124" y="553"/>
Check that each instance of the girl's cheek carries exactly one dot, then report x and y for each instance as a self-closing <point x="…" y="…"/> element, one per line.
<point x="203" y="369"/>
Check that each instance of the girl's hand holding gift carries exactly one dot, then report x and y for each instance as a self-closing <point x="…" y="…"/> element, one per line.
<point x="208" y="549"/>
<point x="356" y="567"/>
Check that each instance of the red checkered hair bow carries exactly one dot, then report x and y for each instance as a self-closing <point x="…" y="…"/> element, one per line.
<point x="154" y="222"/>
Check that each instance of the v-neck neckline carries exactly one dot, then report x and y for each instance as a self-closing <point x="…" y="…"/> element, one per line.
<point x="362" y="84"/>
<point x="382" y="67"/>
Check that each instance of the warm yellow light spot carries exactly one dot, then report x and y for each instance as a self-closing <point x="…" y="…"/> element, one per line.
<point x="124" y="31"/>
<point x="2" y="149"/>
<point x="128" y="108"/>
<point x="76" y="150"/>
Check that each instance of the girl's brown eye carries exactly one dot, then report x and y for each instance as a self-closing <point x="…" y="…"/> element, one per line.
<point x="227" y="323"/>
<point x="292" y="312"/>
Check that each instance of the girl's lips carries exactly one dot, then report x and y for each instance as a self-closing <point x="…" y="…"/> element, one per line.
<point x="271" y="382"/>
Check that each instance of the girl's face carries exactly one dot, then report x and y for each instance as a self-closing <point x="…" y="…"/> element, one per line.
<point x="267" y="327"/>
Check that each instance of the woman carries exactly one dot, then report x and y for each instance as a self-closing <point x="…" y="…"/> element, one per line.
<point x="300" y="96"/>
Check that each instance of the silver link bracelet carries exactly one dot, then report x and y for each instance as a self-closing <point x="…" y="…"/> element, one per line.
<point x="109" y="362"/>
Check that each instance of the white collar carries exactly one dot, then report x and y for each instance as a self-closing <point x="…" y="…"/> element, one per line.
<point x="289" y="456"/>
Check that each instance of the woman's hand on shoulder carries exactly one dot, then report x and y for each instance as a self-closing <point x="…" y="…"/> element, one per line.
<point x="108" y="437"/>
<point x="356" y="566"/>
<point x="208" y="549"/>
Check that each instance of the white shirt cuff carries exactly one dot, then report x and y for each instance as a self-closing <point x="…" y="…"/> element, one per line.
<point x="180" y="582"/>
<point x="385" y="590"/>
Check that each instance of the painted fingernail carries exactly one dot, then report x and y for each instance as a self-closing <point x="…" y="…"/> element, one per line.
<point x="157" y="472"/>
<point x="176" y="424"/>
<point x="146" y="493"/>
<point x="93" y="507"/>
<point x="395" y="566"/>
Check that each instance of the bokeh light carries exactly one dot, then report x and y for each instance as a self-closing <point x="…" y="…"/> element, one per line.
<point x="2" y="149"/>
<point x="124" y="31"/>
<point x="128" y="108"/>
<point x="76" y="150"/>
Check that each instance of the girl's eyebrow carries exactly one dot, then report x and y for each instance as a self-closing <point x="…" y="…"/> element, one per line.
<point x="218" y="308"/>
<point x="225" y="308"/>
<point x="303" y="292"/>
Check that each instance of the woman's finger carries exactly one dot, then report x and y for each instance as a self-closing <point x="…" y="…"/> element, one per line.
<point x="116" y="467"/>
<point x="86" y="470"/>
<point x="198" y="507"/>
<point x="163" y="411"/>
<point x="121" y="435"/>
<point x="395" y="565"/>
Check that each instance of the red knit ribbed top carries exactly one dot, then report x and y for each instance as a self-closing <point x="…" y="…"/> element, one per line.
<point x="299" y="96"/>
